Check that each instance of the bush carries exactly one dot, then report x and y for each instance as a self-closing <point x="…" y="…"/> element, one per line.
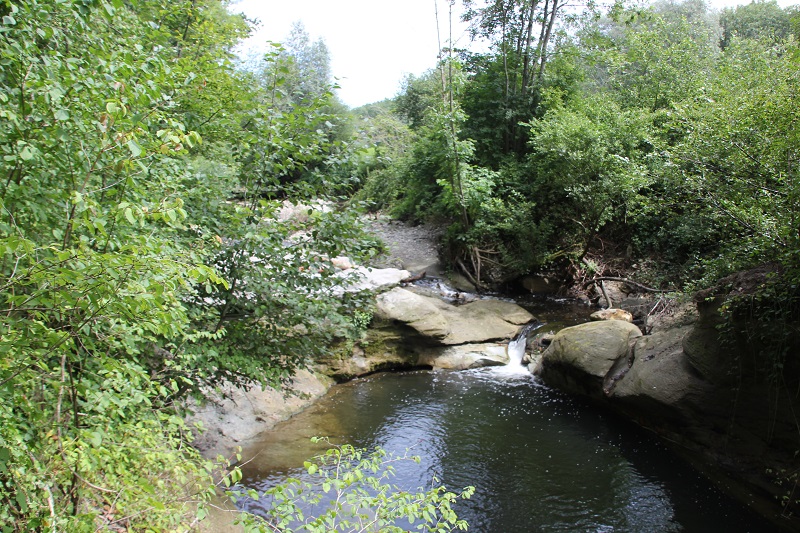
<point x="347" y="490"/>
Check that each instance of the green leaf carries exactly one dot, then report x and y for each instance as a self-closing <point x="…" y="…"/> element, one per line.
<point x="129" y="215"/>
<point x="95" y="438"/>
<point x="22" y="502"/>
<point x="27" y="152"/>
<point x="134" y="147"/>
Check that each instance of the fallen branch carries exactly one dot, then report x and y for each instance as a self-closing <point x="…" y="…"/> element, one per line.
<point x="469" y="276"/>
<point x="625" y="280"/>
<point x="605" y="294"/>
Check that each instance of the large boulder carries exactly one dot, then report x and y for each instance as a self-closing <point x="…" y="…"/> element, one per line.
<point x="381" y="349"/>
<point x="484" y="321"/>
<point x="642" y="375"/>
<point x="539" y="284"/>
<point x="661" y="382"/>
<point x="714" y="394"/>
<point x="580" y="358"/>
<point x="424" y="315"/>
<point x="437" y="322"/>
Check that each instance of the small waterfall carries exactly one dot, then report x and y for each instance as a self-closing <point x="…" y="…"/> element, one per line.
<point x="516" y="348"/>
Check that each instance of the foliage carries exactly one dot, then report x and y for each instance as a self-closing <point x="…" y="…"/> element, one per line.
<point x="739" y="152"/>
<point x="348" y="490"/>
<point x="286" y="143"/>
<point x="762" y="20"/>
<point x="92" y="281"/>
<point x="663" y="58"/>
<point x="508" y="79"/>
<point x="590" y="164"/>
<point x="132" y="275"/>
<point x="382" y="141"/>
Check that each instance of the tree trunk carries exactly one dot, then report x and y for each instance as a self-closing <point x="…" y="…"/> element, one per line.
<point x="526" y="62"/>
<point x="539" y="45"/>
<point x="543" y="55"/>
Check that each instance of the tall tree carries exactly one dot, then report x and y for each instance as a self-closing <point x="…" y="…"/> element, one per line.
<point x="508" y="81"/>
<point x="760" y="19"/>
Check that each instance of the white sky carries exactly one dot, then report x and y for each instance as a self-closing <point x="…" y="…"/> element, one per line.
<point x="373" y="43"/>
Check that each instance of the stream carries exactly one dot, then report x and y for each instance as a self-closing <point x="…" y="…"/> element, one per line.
<point x="539" y="459"/>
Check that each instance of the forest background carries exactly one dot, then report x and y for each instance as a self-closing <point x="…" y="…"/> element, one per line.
<point x="143" y="169"/>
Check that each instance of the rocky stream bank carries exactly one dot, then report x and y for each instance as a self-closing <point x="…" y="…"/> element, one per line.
<point x="738" y="427"/>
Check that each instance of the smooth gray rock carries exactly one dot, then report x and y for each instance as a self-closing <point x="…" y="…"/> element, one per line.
<point x="443" y="323"/>
<point x="465" y="356"/>
<point x="580" y="357"/>
<point x="661" y="381"/>
<point x="241" y="414"/>
<point x="421" y="313"/>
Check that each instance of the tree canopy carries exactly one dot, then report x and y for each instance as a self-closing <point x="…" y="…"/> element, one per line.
<point x="663" y="130"/>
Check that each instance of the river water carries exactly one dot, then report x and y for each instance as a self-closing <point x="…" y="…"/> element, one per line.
<point x="539" y="459"/>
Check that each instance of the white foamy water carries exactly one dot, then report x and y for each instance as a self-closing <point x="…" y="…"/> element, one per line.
<point x="516" y="351"/>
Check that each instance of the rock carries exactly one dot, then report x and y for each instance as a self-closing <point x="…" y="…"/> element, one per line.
<point x="381" y="349"/>
<point x="244" y="413"/>
<point x="301" y="212"/>
<point x="712" y="398"/>
<point x="465" y="356"/>
<point x="540" y="285"/>
<point x="442" y="323"/>
<point x="484" y="320"/>
<point x="543" y="340"/>
<point x="639" y="308"/>
<point x="702" y="345"/>
<point x="617" y="291"/>
<point x="661" y="382"/>
<point x="580" y="357"/>
<point x="611" y="314"/>
<point x="361" y="278"/>
<point x="421" y="313"/>
<point x="342" y="263"/>
<point x="672" y="314"/>
<point x="460" y="282"/>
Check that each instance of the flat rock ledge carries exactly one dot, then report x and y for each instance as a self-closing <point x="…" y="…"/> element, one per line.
<point x="465" y="356"/>
<point x="237" y="415"/>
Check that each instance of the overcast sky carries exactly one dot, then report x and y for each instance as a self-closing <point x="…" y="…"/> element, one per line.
<point x="373" y="43"/>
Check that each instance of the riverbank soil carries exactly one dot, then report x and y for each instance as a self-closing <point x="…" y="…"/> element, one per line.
<point x="412" y="248"/>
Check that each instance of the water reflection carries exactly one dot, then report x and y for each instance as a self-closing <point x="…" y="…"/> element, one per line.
<point x="540" y="461"/>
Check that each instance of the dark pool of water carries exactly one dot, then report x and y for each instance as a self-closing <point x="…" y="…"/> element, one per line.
<point x="539" y="460"/>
